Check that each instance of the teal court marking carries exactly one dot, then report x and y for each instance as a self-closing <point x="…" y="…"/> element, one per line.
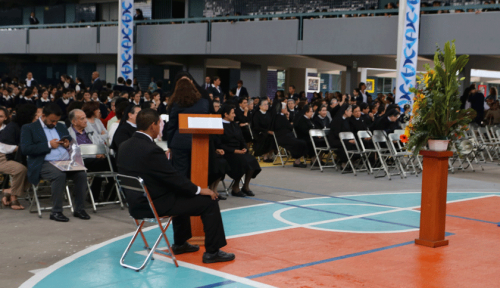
<point x="98" y="266"/>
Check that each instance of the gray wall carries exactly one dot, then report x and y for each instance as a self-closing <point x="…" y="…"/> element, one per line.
<point x="255" y="79"/>
<point x="13" y="41"/>
<point x="350" y="36"/>
<point x="63" y="41"/>
<point x="108" y="40"/>
<point x="474" y="34"/>
<point x="260" y="37"/>
<point x="172" y="39"/>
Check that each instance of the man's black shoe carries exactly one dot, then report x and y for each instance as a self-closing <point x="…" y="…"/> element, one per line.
<point x="82" y="215"/>
<point x="300" y="165"/>
<point x="247" y="192"/>
<point x="238" y="194"/>
<point x="268" y="160"/>
<point x="219" y="256"/>
<point x="59" y="217"/>
<point x="184" y="248"/>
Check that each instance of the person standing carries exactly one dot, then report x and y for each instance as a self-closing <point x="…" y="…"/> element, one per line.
<point x="185" y="99"/>
<point x="216" y="90"/>
<point x="33" y="19"/>
<point x="96" y="82"/>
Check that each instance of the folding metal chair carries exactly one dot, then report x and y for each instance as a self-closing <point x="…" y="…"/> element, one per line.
<point x="367" y="152"/>
<point x="347" y="136"/>
<point x="39" y="209"/>
<point x="399" y="155"/>
<point x="100" y="149"/>
<point x="136" y="185"/>
<point x="281" y="153"/>
<point x="383" y="153"/>
<point x="484" y="141"/>
<point x="319" y="151"/>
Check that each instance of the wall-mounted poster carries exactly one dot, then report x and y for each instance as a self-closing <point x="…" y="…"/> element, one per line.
<point x="313" y="84"/>
<point x="370" y="85"/>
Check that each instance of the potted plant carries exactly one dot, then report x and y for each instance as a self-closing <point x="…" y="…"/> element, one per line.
<point x="436" y="117"/>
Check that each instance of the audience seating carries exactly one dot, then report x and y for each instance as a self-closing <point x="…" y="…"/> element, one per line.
<point x="36" y="199"/>
<point x="347" y="136"/>
<point x="281" y="153"/>
<point x="137" y="185"/>
<point x="320" y="151"/>
<point x="100" y="149"/>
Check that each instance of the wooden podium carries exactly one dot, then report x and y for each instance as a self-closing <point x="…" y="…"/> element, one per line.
<point x="433" y="206"/>
<point x="201" y="131"/>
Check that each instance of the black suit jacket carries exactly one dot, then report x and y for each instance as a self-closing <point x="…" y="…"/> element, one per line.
<point x="122" y="134"/>
<point x="34" y="144"/>
<point x="96" y="86"/>
<point x="243" y="92"/>
<point x="216" y="93"/>
<point x="150" y="163"/>
<point x="34" y="21"/>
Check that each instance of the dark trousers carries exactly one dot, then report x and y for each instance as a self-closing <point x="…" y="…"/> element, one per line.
<point x="58" y="179"/>
<point x="209" y="211"/>
<point x="181" y="160"/>
<point x="99" y="165"/>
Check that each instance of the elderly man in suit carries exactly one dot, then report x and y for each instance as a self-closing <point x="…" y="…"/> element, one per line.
<point x="96" y="82"/>
<point x="47" y="140"/>
<point x="172" y="193"/>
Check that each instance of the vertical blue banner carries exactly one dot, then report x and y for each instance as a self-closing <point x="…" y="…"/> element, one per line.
<point x="407" y="64"/>
<point x="125" y="64"/>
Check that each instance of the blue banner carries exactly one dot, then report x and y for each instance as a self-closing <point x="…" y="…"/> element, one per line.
<point x="125" y="64"/>
<point x="407" y="68"/>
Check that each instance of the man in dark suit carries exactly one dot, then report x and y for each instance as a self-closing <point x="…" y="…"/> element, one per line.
<point x="120" y="85"/>
<point x="208" y="83"/>
<point x="216" y="91"/>
<point x="171" y="192"/>
<point x="96" y="82"/>
<point x="33" y="19"/>
<point x="240" y="90"/>
<point x="126" y="128"/>
<point x="291" y="93"/>
<point x="30" y="81"/>
<point x="387" y="122"/>
<point x="47" y="140"/>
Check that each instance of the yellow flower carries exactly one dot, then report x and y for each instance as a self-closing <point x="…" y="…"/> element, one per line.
<point x="407" y="131"/>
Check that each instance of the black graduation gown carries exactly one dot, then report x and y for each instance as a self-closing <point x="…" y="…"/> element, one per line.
<point x="263" y="141"/>
<point x="284" y="134"/>
<point x="360" y="125"/>
<point x="340" y="124"/>
<point x="217" y="164"/>
<point x="241" y="119"/>
<point x="383" y="123"/>
<point x="291" y="115"/>
<point x="302" y="127"/>
<point x="240" y="164"/>
<point x="367" y="119"/>
<point x="321" y="123"/>
<point x="333" y="111"/>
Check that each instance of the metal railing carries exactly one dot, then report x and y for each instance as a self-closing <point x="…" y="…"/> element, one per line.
<point x="265" y="17"/>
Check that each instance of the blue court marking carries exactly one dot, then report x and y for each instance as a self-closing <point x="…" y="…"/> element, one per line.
<point x="473" y="219"/>
<point x="334" y="213"/>
<point x="99" y="266"/>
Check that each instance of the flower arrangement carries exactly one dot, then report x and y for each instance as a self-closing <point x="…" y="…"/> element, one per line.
<point x="436" y="109"/>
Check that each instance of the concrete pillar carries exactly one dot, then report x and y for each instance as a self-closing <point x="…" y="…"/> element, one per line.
<point x="351" y="79"/>
<point x="101" y="68"/>
<point x="254" y="78"/>
<point x="296" y="77"/>
<point x="198" y="71"/>
<point x="465" y="73"/>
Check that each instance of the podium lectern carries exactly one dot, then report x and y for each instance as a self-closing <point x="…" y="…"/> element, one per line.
<point x="201" y="126"/>
<point x="433" y="206"/>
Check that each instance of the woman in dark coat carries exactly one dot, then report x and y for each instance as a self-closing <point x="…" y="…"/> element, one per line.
<point x="242" y="118"/>
<point x="236" y="153"/>
<point x="283" y="130"/>
<point x="263" y="136"/>
<point x="341" y="123"/>
<point x="185" y="99"/>
<point x="320" y="120"/>
<point x="302" y="124"/>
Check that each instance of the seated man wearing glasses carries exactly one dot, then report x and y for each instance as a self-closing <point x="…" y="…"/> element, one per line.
<point x="172" y="193"/>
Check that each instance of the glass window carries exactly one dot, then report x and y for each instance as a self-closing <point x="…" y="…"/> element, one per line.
<point x="281" y="80"/>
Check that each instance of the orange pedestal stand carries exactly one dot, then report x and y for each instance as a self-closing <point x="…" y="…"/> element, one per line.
<point x="199" y="164"/>
<point x="433" y="206"/>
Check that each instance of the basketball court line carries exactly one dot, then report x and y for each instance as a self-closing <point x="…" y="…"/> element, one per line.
<point x="47" y="271"/>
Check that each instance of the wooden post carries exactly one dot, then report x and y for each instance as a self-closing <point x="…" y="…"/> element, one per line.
<point x="433" y="206"/>
<point x="199" y="164"/>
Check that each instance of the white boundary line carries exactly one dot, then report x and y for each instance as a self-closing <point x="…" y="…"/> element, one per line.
<point x="47" y="271"/>
<point x="206" y="270"/>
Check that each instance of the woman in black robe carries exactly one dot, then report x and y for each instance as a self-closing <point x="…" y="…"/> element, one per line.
<point x="242" y="118"/>
<point x="341" y="123"/>
<point x="320" y="120"/>
<point x="263" y="136"/>
<point x="236" y="153"/>
<point x="283" y="130"/>
<point x="302" y="124"/>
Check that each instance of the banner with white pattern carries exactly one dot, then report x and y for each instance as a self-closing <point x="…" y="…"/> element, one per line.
<point x="125" y="64"/>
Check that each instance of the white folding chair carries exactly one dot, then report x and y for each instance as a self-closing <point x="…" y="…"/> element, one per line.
<point x="348" y="136"/>
<point x="380" y="143"/>
<point x="136" y="185"/>
<point x="399" y="155"/>
<point x="163" y="144"/>
<point x="36" y="200"/>
<point x="282" y="153"/>
<point x="367" y="152"/>
<point x="100" y="149"/>
<point x="320" y="151"/>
